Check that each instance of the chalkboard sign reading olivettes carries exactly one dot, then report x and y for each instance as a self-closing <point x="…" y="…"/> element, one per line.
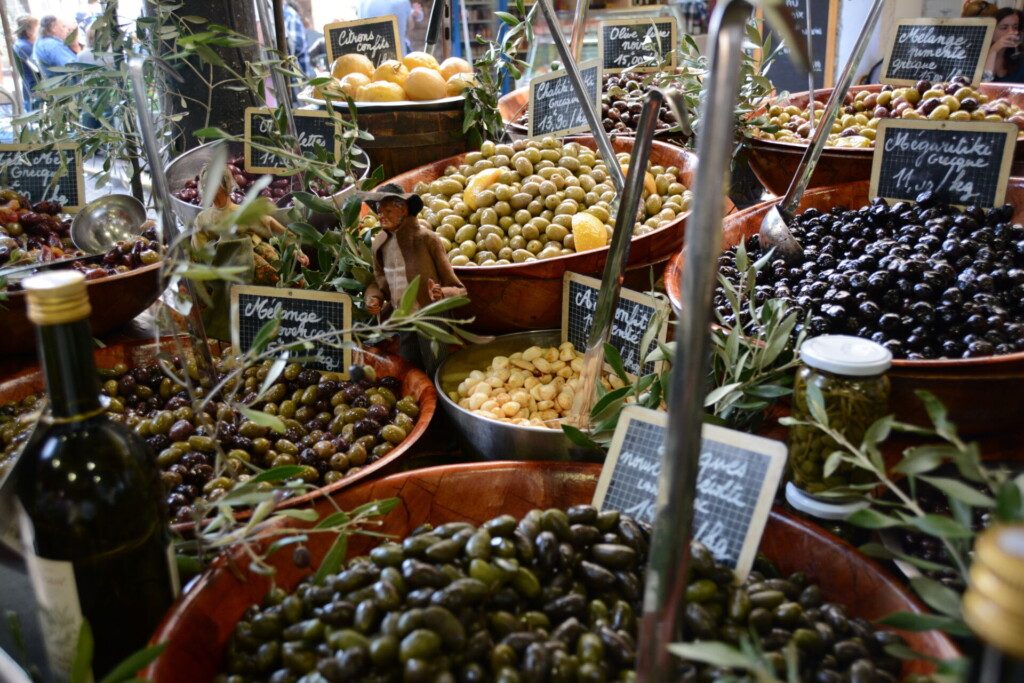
<point x="784" y="73"/>
<point x="303" y="315"/>
<point x="51" y="173"/>
<point x="554" y="109"/>
<point x="315" y="128"/>
<point x="634" y="315"/>
<point x="937" y="50"/>
<point x="738" y="476"/>
<point x="962" y="162"/>
<point x="377" y="38"/>
<point x="624" y="44"/>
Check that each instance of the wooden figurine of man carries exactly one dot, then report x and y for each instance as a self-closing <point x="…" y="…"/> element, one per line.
<point x="405" y="248"/>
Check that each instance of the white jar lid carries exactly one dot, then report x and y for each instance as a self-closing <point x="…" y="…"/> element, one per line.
<point x="846" y="355"/>
<point x="815" y="507"/>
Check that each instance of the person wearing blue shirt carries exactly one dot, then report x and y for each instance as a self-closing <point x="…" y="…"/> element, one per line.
<point x="402" y="9"/>
<point x="295" y="31"/>
<point x="28" y="27"/>
<point x="50" y="51"/>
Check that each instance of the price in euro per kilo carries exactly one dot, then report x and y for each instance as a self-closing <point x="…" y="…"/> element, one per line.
<point x="908" y="181"/>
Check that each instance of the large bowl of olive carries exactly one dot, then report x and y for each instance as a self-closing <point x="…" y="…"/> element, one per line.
<point x="521" y="236"/>
<point x="502" y="571"/>
<point x="775" y="155"/>
<point x="340" y="431"/>
<point x="939" y="290"/>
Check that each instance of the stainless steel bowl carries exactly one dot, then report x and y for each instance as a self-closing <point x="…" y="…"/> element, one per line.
<point x="187" y="166"/>
<point x="493" y="440"/>
<point x="104" y="222"/>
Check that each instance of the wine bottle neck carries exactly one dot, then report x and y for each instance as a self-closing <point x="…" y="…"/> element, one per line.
<point x="66" y="354"/>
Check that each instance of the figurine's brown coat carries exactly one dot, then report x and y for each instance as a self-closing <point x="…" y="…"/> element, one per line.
<point x="424" y="256"/>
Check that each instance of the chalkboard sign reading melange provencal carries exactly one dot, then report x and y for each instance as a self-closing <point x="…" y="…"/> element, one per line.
<point x="303" y="315"/>
<point x="784" y="73"/>
<point x="937" y="50"/>
<point x="377" y="38"/>
<point x="315" y="128"/>
<point x="739" y="474"/>
<point x="633" y="316"/>
<point x="621" y="44"/>
<point x="554" y="108"/>
<point x="51" y="173"/>
<point x="962" y="162"/>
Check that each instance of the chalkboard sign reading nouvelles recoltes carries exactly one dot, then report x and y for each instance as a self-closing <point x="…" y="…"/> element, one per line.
<point x="738" y="476"/>
<point x="622" y="44"/>
<point x="376" y="38"/>
<point x="554" y="108"/>
<point x="315" y="128"/>
<point x="961" y="162"/>
<point x="937" y="50"/>
<point x="784" y="73"/>
<point x="44" y="173"/>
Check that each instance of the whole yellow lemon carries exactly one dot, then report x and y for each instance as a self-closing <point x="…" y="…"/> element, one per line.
<point x="350" y="64"/>
<point x="415" y="59"/>
<point x="424" y="84"/>
<point x="391" y="70"/>
<point x="380" y="91"/>
<point x="351" y="83"/>
<point x="454" y="65"/>
<point x="459" y="82"/>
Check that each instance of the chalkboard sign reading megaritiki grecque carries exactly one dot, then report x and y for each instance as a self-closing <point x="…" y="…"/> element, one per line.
<point x="315" y="129"/>
<point x="937" y="50"/>
<point x="45" y="173"/>
<point x="376" y="38"/>
<point x="623" y="44"/>
<point x="554" y="108"/>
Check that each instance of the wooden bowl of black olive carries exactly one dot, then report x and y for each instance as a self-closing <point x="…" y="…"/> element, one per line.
<point x="942" y="288"/>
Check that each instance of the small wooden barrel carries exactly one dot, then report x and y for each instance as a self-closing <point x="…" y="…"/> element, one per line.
<point x="404" y="138"/>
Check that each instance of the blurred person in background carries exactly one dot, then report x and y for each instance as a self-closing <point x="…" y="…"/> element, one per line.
<point x="295" y="31"/>
<point x="50" y="50"/>
<point x="1004" y="63"/>
<point x="402" y="9"/>
<point x="28" y="70"/>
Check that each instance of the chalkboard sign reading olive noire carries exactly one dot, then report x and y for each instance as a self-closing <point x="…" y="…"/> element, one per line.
<point x="52" y="173"/>
<point x="634" y="315"/>
<point x="303" y="315"/>
<point x="621" y="44"/>
<point x="937" y="50"/>
<point x="377" y="38"/>
<point x="961" y="162"/>
<point x="738" y="476"/>
<point x="315" y="128"/>
<point x="554" y="108"/>
<point x="784" y="73"/>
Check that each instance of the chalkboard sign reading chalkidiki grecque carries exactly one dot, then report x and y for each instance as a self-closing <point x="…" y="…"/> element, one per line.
<point x="738" y="476"/>
<point x="937" y="50"/>
<point x="784" y="73"/>
<point x="44" y="173"/>
<point x="377" y="38"/>
<point x="554" y="109"/>
<point x="634" y="315"/>
<point x="315" y="129"/>
<point x="303" y="315"/>
<point x="623" y="44"/>
<point x="961" y="162"/>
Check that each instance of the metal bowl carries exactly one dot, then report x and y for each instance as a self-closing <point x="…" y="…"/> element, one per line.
<point x="104" y="222"/>
<point x="187" y="166"/>
<point x="493" y="440"/>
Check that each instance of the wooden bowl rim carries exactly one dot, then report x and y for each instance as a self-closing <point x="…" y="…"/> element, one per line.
<point x="103" y="280"/>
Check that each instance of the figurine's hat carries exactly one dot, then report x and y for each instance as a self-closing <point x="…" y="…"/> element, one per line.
<point x="391" y="191"/>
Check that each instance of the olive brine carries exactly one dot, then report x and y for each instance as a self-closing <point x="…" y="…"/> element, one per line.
<point x="923" y="279"/>
<point x="551" y="597"/>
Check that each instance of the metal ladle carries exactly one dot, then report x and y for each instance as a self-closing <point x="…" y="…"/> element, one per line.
<point x="775" y="233"/>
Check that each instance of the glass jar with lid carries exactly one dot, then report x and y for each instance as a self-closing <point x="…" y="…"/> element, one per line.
<point x="850" y="374"/>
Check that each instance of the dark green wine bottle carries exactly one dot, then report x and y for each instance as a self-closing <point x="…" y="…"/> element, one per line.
<point x="93" y="523"/>
<point x="993" y="606"/>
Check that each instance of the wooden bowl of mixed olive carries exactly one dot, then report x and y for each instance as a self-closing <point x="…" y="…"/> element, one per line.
<point x="977" y="375"/>
<point x="506" y="571"/>
<point x="512" y="262"/>
<point x="774" y="157"/>
<point x="340" y="431"/>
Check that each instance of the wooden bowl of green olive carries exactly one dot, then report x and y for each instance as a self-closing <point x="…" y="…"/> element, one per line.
<point x="502" y="571"/>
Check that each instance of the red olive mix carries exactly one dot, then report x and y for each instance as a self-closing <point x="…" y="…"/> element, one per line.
<point x="278" y="187"/>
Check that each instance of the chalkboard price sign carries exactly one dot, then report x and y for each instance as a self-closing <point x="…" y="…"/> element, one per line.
<point x="784" y="73"/>
<point x="937" y="50"/>
<point x="962" y="162"/>
<point x="45" y="173"/>
<point x="633" y="317"/>
<point x="738" y="476"/>
<point x="303" y="315"/>
<point x="377" y="38"/>
<point x="315" y="128"/>
<point x="554" y="108"/>
<point x="621" y="44"/>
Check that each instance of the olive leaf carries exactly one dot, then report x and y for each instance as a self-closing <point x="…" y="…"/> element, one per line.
<point x="909" y="621"/>
<point x="960" y="491"/>
<point x="939" y="526"/>
<point x="832" y="463"/>
<point x="872" y="519"/>
<point x="332" y="560"/>
<point x="940" y="598"/>
<point x="816" y="403"/>
<point x="81" y="665"/>
<point x="135" y="662"/>
<point x="263" y="419"/>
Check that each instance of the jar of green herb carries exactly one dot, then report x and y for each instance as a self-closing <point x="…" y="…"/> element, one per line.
<point x="849" y="374"/>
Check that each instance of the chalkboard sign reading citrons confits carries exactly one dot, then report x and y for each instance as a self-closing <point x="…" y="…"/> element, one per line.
<point x="962" y="162"/>
<point x="377" y="38"/>
<point x="634" y="315"/>
<point x="554" y="109"/>
<point x="303" y="315"/>
<point x="738" y="476"/>
<point x="624" y="44"/>
<point x="315" y="128"/>
<point x="51" y="173"/>
<point x="784" y="73"/>
<point x="937" y="50"/>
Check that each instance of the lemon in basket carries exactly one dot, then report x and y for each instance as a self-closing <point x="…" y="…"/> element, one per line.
<point x="380" y="91"/>
<point x="392" y="71"/>
<point x="425" y="84"/>
<point x="415" y="59"/>
<point x="454" y="65"/>
<point x="350" y="64"/>
<point x="459" y="82"/>
<point x="351" y="83"/>
<point x="588" y="232"/>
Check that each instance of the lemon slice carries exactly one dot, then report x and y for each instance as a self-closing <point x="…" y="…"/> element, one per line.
<point x="478" y="183"/>
<point x="649" y="184"/>
<point x="588" y="232"/>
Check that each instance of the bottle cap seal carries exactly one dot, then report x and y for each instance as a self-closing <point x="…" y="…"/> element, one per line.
<point x="57" y="297"/>
<point x="993" y="605"/>
<point x="846" y="355"/>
